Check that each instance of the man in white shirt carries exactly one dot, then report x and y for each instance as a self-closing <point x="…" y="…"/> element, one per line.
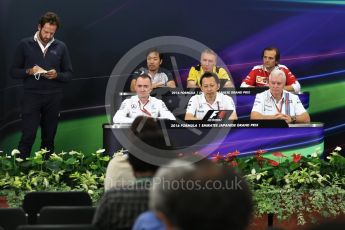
<point x="209" y="99"/>
<point x="277" y="103"/>
<point x="142" y="104"/>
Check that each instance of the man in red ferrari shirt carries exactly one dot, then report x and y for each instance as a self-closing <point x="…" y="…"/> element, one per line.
<point x="258" y="76"/>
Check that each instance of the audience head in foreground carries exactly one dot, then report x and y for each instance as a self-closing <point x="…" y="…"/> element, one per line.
<point x="201" y="196"/>
<point x="123" y="167"/>
<point x="121" y="205"/>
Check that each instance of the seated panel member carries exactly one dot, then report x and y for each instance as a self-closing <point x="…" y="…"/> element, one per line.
<point x="209" y="99"/>
<point x="159" y="76"/>
<point x="258" y="76"/>
<point x="277" y="103"/>
<point x="142" y="104"/>
<point x="208" y="61"/>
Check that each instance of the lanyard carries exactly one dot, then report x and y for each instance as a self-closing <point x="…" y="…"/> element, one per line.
<point x="287" y="106"/>
<point x="143" y="109"/>
<point x="212" y="107"/>
<point x="279" y="109"/>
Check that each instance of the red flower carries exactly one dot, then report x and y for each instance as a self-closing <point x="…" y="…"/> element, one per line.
<point x="259" y="157"/>
<point x="273" y="163"/>
<point x="233" y="154"/>
<point x="217" y="158"/>
<point x="278" y="154"/>
<point x="296" y="157"/>
<point x="260" y="152"/>
<point x="260" y="160"/>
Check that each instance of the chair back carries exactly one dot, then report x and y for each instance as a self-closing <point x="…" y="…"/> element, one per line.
<point x="11" y="218"/>
<point x="58" y="227"/>
<point x="34" y="201"/>
<point x="66" y="215"/>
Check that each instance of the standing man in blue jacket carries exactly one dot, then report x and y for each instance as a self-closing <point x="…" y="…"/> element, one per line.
<point x="44" y="65"/>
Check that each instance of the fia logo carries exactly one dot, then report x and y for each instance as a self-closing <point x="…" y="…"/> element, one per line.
<point x="218" y="114"/>
<point x="214" y="114"/>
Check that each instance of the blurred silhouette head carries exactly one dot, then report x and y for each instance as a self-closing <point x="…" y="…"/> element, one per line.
<point x="201" y="196"/>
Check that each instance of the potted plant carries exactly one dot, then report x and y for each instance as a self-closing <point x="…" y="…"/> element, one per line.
<point x="296" y="189"/>
<point x="65" y="171"/>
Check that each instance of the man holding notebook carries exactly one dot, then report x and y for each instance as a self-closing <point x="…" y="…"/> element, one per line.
<point x="43" y="63"/>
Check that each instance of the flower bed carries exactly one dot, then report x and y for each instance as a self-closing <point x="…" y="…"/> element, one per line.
<point x="285" y="186"/>
<point x="293" y="185"/>
<point x="66" y="171"/>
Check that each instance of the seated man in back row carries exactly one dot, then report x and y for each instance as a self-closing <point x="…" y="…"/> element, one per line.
<point x="208" y="61"/>
<point x="159" y="76"/>
<point x="277" y="103"/>
<point x="142" y="104"/>
<point x="258" y="76"/>
<point x="209" y="99"/>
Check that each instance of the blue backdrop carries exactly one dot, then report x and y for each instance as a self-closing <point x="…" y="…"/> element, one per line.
<point x="98" y="33"/>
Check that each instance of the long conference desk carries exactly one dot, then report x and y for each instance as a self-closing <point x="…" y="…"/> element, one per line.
<point x="206" y="138"/>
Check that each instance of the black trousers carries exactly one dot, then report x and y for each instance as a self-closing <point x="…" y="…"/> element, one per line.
<point x="39" y="110"/>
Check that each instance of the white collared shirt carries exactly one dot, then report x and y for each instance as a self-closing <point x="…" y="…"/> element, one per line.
<point x="289" y="104"/>
<point x="132" y="108"/>
<point x="43" y="48"/>
<point x="198" y="106"/>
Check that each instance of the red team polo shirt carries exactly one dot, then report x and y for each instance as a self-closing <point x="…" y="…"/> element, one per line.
<point x="258" y="76"/>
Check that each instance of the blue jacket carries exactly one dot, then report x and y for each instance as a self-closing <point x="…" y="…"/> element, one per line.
<point x="29" y="53"/>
